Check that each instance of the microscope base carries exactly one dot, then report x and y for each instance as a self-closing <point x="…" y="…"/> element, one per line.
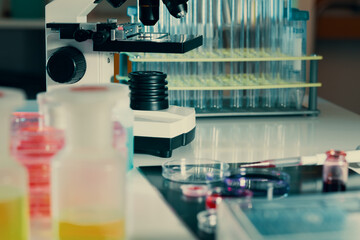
<point x="162" y="147"/>
<point x="159" y="132"/>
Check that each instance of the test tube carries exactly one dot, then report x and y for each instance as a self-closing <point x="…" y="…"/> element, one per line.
<point x="217" y="69"/>
<point x="183" y="67"/>
<point x="200" y="23"/>
<point x="208" y="45"/>
<point x="284" y="38"/>
<point x="237" y="42"/>
<point x="193" y="66"/>
<point x="271" y="97"/>
<point x="266" y="93"/>
<point x="252" y="42"/>
<point x="298" y="23"/>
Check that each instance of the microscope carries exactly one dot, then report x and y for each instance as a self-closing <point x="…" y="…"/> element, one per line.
<point x="79" y="52"/>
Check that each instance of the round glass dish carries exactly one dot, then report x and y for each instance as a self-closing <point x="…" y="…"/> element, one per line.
<point x="207" y="221"/>
<point x="194" y="190"/>
<point x="217" y="194"/>
<point x="262" y="182"/>
<point x="195" y="171"/>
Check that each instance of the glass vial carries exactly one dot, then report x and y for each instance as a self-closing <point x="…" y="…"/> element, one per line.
<point x="335" y="172"/>
<point x="13" y="177"/>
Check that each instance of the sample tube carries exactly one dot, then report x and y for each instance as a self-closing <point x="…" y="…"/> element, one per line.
<point x="13" y="177"/>
<point x="252" y="41"/>
<point x="88" y="177"/>
<point x="235" y="10"/>
<point x="200" y="22"/>
<point x="220" y="25"/>
<point x="335" y="172"/>
<point x="273" y="32"/>
<point x="268" y="96"/>
<point x="298" y="25"/>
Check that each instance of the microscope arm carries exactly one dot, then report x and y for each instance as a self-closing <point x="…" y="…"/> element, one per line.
<point x="73" y="11"/>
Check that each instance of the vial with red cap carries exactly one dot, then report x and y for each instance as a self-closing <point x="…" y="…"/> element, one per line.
<point x="335" y="171"/>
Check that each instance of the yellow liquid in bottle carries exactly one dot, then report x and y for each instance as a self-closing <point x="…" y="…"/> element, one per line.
<point x="106" y="231"/>
<point x="13" y="219"/>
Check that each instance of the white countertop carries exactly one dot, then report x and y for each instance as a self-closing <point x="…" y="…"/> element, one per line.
<point x="240" y="139"/>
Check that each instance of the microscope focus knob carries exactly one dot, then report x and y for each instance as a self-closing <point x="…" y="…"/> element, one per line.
<point x="66" y="65"/>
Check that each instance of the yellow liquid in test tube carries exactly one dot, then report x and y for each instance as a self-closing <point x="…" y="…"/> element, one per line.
<point x="13" y="219"/>
<point x="106" y="231"/>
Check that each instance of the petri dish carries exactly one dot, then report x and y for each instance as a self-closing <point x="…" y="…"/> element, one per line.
<point x="194" y="190"/>
<point x="262" y="182"/>
<point x="217" y="194"/>
<point x="207" y="221"/>
<point x="195" y="171"/>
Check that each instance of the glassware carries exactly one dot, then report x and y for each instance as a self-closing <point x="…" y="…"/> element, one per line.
<point x="238" y="29"/>
<point x="88" y="176"/>
<point x="13" y="177"/>
<point x="262" y="182"/>
<point x="298" y="26"/>
<point x="207" y="221"/>
<point x="194" y="191"/>
<point x="194" y="171"/>
<point x="123" y="118"/>
<point x="335" y="172"/>
<point x="217" y="194"/>
<point x="34" y="145"/>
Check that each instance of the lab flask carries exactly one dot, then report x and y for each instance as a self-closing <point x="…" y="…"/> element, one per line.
<point x="88" y="176"/>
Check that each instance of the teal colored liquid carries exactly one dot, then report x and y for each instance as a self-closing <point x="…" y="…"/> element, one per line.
<point x="130" y="147"/>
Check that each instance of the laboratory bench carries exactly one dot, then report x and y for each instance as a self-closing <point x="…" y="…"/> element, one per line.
<point x="232" y="140"/>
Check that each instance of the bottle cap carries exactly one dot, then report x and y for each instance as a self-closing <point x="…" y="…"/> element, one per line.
<point x="90" y="95"/>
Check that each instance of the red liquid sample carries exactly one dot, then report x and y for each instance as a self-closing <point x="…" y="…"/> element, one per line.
<point x="215" y="198"/>
<point x="334" y="186"/>
<point x="212" y="201"/>
<point x="35" y="148"/>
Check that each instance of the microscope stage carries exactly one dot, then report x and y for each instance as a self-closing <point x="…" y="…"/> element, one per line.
<point x="162" y="43"/>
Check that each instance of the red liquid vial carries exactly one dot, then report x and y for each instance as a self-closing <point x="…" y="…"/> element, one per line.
<point x="335" y="172"/>
<point x="34" y="146"/>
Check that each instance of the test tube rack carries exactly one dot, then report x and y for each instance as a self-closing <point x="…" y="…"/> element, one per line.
<point x="253" y="60"/>
<point x="186" y="87"/>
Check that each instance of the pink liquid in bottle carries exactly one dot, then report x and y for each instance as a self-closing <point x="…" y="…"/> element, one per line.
<point x="34" y="147"/>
